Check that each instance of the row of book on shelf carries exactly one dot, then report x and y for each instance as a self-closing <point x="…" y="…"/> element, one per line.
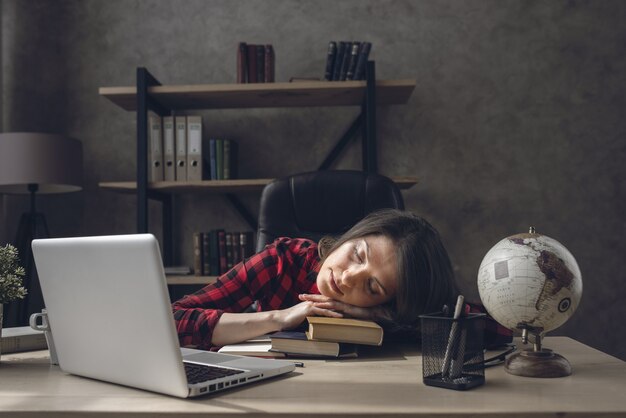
<point x="325" y="338"/>
<point x="346" y="60"/>
<point x="217" y="251"/>
<point x="177" y="151"/>
<point x="255" y="63"/>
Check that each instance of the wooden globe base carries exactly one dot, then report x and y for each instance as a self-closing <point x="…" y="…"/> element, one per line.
<point x="542" y="363"/>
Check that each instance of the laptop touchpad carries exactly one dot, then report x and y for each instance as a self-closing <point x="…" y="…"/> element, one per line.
<point x="209" y="357"/>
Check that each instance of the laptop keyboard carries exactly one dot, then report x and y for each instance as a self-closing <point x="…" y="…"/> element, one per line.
<point x="197" y="373"/>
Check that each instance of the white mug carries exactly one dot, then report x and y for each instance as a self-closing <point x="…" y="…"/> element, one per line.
<point x="45" y="327"/>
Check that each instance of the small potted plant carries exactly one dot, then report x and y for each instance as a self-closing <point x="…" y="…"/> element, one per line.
<point x="11" y="274"/>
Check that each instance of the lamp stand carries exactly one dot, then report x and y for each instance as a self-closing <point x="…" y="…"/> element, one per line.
<point x="32" y="225"/>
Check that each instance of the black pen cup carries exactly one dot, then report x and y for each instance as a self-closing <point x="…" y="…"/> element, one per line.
<point x="452" y="351"/>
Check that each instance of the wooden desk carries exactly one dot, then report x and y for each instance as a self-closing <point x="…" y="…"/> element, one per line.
<point x="380" y="383"/>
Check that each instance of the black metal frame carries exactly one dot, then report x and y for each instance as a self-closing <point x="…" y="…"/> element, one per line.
<point x="146" y="103"/>
<point x="366" y="121"/>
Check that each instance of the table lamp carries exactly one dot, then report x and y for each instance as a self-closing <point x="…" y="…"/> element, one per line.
<point x="35" y="163"/>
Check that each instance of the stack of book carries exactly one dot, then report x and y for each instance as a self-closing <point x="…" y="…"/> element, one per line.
<point x="325" y="338"/>
<point x="346" y="60"/>
<point x="16" y="339"/>
<point x="217" y="251"/>
<point x="177" y="151"/>
<point x="255" y="63"/>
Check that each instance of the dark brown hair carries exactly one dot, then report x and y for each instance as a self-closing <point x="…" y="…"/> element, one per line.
<point x="424" y="271"/>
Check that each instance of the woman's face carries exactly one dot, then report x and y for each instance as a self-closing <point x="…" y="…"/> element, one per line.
<point x="361" y="272"/>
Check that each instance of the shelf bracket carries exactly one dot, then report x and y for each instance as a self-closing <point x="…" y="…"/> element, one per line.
<point x="245" y="214"/>
<point x="366" y="121"/>
<point x="370" y="163"/>
<point x="144" y="104"/>
<point x="342" y="143"/>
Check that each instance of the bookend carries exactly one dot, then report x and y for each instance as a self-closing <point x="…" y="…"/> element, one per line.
<point x="452" y="351"/>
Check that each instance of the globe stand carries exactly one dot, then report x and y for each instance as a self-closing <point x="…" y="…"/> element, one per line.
<point x="538" y="361"/>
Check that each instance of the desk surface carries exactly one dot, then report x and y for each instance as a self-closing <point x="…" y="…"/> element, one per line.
<point x="382" y="382"/>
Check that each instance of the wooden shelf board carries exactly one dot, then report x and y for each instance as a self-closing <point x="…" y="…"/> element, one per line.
<point x="217" y="186"/>
<point x="190" y="279"/>
<point x="258" y="95"/>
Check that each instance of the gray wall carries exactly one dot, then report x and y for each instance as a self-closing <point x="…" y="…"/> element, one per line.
<point x="517" y="118"/>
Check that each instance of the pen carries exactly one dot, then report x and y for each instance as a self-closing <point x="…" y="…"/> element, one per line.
<point x="454" y="331"/>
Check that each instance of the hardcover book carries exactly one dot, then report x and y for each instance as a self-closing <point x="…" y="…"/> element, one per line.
<point x="345" y="61"/>
<point x="330" y="60"/>
<point x="260" y="63"/>
<point x="270" y="65"/>
<point x="197" y="253"/>
<point x="341" y="49"/>
<point x="354" y="56"/>
<point x="256" y="347"/>
<point x="242" y="63"/>
<point x="252" y="71"/>
<point x="364" y="52"/>
<point x="221" y="241"/>
<point x="16" y="339"/>
<point x="347" y="330"/>
<point x="294" y="343"/>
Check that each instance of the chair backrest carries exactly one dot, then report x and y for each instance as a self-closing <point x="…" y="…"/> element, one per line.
<point x="312" y="205"/>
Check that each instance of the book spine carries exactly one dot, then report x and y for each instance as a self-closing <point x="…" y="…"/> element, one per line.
<point x="229" y="250"/>
<point x="251" y="50"/>
<point x="354" y="56"/>
<point x="234" y="159"/>
<point x="206" y="254"/>
<point x="169" y="149"/>
<point x="260" y="64"/>
<point x="194" y="148"/>
<point x="197" y="253"/>
<point x="341" y="49"/>
<point x="364" y="52"/>
<point x="214" y="253"/>
<point x="245" y="245"/>
<point x="236" y="249"/>
<point x="155" y="149"/>
<point x="242" y="63"/>
<point x="330" y="60"/>
<point x="222" y="248"/>
<point x="212" y="158"/>
<point x="270" y="65"/>
<point x="219" y="159"/>
<point x="180" y="123"/>
<point x="345" y="62"/>
<point x="226" y="159"/>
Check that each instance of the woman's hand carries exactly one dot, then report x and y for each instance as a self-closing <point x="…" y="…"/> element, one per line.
<point x="373" y="313"/>
<point x="292" y="317"/>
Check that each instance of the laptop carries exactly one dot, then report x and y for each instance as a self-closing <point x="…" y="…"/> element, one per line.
<point x="110" y="315"/>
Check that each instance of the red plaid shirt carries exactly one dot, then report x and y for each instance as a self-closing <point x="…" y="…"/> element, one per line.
<point x="274" y="277"/>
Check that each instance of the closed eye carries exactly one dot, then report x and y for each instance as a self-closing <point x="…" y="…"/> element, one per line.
<point x="356" y="254"/>
<point x="370" y="287"/>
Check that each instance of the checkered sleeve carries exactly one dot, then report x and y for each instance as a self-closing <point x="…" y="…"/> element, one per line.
<point x="495" y="335"/>
<point x="270" y="276"/>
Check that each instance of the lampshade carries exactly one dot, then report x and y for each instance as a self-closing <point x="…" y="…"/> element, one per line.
<point x="53" y="162"/>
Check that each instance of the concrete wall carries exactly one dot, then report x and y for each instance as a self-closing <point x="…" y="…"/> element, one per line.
<point x="517" y="118"/>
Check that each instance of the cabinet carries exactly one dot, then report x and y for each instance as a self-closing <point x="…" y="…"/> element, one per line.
<point x="149" y="94"/>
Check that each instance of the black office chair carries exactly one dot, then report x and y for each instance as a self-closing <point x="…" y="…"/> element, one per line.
<point x="312" y="205"/>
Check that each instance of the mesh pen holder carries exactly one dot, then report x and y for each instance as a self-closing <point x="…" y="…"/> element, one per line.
<point x="452" y="351"/>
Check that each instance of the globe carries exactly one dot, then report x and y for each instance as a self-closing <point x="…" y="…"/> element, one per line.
<point x="530" y="281"/>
